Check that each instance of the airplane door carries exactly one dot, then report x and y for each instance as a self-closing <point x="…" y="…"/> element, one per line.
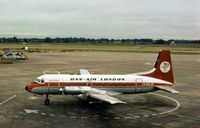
<point x="138" y="83"/>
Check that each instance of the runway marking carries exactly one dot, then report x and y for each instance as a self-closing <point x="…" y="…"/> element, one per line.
<point x="117" y="118"/>
<point x="73" y="115"/>
<point x="137" y="116"/>
<point x="146" y="116"/>
<point x="153" y="114"/>
<point x="43" y="113"/>
<point x="62" y="116"/>
<point x="171" y="110"/>
<point x="83" y="117"/>
<point x="31" y="111"/>
<point x="128" y="117"/>
<point x="33" y="98"/>
<point x="8" y="99"/>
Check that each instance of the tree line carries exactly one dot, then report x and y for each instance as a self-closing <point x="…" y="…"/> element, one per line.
<point x="95" y="41"/>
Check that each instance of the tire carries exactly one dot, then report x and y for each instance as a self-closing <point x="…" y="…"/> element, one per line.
<point x="47" y="102"/>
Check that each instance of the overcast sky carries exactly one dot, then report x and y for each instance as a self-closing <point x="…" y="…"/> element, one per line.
<point x="177" y="19"/>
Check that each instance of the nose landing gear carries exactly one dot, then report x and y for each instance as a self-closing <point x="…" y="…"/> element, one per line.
<point x="47" y="101"/>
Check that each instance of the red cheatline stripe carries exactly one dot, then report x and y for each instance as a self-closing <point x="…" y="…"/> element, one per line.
<point x="102" y="84"/>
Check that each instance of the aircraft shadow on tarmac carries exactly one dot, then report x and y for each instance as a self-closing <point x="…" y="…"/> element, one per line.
<point x="145" y="104"/>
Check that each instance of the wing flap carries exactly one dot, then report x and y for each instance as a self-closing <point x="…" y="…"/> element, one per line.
<point x="167" y="89"/>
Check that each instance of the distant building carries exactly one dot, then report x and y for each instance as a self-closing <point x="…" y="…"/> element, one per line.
<point x="24" y="42"/>
<point x="25" y="48"/>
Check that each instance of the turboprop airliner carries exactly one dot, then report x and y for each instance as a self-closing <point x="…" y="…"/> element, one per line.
<point x="103" y="87"/>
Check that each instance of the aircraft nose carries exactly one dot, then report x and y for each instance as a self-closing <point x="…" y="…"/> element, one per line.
<point x="27" y="87"/>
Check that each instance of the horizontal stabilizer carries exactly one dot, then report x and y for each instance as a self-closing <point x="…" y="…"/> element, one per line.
<point x="167" y="89"/>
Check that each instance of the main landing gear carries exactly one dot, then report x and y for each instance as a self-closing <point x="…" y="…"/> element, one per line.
<point x="47" y="101"/>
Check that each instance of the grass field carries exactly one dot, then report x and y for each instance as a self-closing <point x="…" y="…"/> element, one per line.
<point x="181" y="49"/>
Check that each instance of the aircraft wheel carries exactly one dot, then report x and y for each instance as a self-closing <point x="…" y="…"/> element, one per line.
<point x="47" y="102"/>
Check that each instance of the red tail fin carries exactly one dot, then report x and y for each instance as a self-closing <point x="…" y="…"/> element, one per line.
<point x="163" y="67"/>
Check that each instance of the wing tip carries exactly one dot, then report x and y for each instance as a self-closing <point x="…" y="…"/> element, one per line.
<point x="119" y="102"/>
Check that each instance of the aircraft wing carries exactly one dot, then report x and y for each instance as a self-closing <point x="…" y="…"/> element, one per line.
<point x="84" y="72"/>
<point x="167" y="89"/>
<point x="105" y="98"/>
<point x="101" y="95"/>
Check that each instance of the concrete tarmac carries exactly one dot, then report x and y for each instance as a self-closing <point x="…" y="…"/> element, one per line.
<point x="19" y="108"/>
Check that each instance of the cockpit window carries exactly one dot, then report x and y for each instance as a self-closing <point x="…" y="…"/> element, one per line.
<point x="42" y="80"/>
<point x="39" y="80"/>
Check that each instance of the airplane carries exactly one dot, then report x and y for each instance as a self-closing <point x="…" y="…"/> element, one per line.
<point x="103" y="87"/>
<point x="6" y="59"/>
<point x="9" y="56"/>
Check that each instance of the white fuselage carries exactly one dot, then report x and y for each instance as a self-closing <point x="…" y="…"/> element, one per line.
<point x="75" y="84"/>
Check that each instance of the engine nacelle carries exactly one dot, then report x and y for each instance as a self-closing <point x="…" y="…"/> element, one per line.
<point x="76" y="89"/>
